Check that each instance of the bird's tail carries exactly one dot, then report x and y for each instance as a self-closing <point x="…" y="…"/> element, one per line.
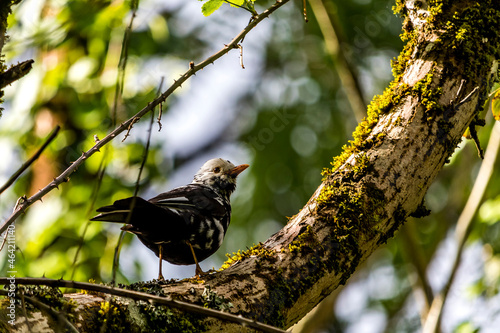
<point x="119" y="211"/>
<point x="117" y="216"/>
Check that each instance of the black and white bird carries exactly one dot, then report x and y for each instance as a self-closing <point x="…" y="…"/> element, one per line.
<point x="185" y="225"/>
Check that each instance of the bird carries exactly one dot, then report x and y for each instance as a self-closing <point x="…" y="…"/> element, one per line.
<point x="185" y="225"/>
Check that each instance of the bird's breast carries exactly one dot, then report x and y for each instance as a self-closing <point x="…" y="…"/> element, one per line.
<point x="209" y="233"/>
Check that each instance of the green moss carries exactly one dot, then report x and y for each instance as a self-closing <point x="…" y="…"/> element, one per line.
<point x="305" y="239"/>
<point x="257" y="250"/>
<point x="113" y="316"/>
<point x="141" y="316"/>
<point x="52" y="297"/>
<point x="428" y="95"/>
<point x="163" y="319"/>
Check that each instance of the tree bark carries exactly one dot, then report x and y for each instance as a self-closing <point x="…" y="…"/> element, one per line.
<point x="442" y="79"/>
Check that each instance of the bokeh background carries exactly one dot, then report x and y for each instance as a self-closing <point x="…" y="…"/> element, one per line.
<point x="287" y="113"/>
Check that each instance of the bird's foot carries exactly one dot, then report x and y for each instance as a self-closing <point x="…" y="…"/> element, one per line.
<point x="199" y="273"/>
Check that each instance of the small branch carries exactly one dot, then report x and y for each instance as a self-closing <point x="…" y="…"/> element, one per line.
<point x="33" y="158"/>
<point x="464" y="226"/>
<point x="136" y="119"/>
<point x="15" y="73"/>
<point x="136" y="295"/>
<point x="158" y="120"/>
<point x="190" y="72"/>
<point x="241" y="56"/>
<point x="466" y="98"/>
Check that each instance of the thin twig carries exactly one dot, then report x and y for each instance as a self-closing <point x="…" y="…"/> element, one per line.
<point x="464" y="226"/>
<point x="64" y="176"/>
<point x="136" y="295"/>
<point x="241" y="56"/>
<point x="136" y="119"/>
<point x="32" y="159"/>
<point x="466" y="98"/>
<point x="158" y="120"/>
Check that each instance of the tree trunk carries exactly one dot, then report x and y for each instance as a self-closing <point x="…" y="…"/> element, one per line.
<point x="442" y="79"/>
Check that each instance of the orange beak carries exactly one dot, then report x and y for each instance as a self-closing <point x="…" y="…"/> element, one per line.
<point x="237" y="170"/>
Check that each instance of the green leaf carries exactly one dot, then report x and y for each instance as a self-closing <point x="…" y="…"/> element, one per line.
<point x="495" y="105"/>
<point x="211" y="6"/>
<point x="466" y="327"/>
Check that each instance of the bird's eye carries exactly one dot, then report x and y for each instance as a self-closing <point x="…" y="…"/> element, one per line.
<point x="216" y="169"/>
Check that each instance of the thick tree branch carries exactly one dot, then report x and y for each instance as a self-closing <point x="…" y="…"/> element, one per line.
<point x="64" y="176"/>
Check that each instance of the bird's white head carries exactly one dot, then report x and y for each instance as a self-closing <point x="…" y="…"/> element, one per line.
<point x="220" y="175"/>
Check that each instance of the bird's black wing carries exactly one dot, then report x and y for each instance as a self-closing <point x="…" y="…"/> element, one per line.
<point x="192" y="199"/>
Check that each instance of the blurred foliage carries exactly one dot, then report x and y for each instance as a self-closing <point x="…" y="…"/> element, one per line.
<point x="287" y="122"/>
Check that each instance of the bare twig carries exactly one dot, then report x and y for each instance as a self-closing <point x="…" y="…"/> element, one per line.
<point x="32" y="159"/>
<point x="136" y="295"/>
<point x="135" y="120"/>
<point x="464" y="226"/>
<point x="466" y="98"/>
<point x="241" y="56"/>
<point x="158" y="120"/>
<point x="190" y="72"/>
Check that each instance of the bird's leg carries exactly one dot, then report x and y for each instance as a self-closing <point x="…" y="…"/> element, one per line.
<point x="198" y="272"/>
<point x="160" y="275"/>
